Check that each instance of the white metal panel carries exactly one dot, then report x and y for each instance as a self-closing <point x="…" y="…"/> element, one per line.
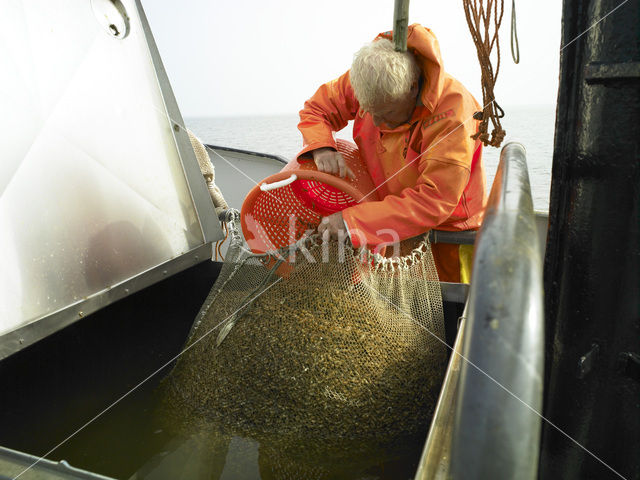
<point x="92" y="164"/>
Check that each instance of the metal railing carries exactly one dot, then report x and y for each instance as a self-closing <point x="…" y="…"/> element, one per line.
<point x="489" y="425"/>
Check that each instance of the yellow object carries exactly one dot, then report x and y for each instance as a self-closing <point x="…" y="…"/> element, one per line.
<point x="466" y="262"/>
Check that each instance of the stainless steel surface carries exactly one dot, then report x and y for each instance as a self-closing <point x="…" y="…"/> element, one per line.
<point x="436" y="458"/>
<point x="97" y="184"/>
<point x="30" y="467"/>
<point x="201" y="199"/>
<point x="499" y="399"/>
<point x="436" y="455"/>
<point x="113" y="17"/>
<point x="454" y="292"/>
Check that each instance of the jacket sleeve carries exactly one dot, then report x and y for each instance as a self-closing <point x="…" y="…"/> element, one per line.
<point x="328" y="111"/>
<point x="444" y="168"/>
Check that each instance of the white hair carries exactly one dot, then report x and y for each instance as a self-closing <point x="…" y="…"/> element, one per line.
<point x="379" y="73"/>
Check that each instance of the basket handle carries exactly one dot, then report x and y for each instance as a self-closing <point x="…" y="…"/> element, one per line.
<point x="265" y="187"/>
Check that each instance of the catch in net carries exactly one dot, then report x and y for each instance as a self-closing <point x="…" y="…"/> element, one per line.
<point x="317" y="341"/>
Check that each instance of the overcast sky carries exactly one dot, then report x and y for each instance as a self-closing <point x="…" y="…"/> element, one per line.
<point x="249" y="57"/>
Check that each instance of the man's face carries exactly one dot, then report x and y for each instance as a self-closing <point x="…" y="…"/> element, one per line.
<point x="394" y="113"/>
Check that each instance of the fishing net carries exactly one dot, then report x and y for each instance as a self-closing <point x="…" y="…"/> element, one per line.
<point x="317" y="342"/>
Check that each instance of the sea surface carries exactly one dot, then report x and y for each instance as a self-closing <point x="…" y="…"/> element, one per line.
<point x="278" y="134"/>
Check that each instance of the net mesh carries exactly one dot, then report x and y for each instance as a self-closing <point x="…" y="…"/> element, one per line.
<point x="317" y="342"/>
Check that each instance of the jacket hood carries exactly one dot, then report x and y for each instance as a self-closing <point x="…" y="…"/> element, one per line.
<point x="424" y="45"/>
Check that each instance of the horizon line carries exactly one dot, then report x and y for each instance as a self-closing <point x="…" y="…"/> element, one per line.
<point x="289" y="114"/>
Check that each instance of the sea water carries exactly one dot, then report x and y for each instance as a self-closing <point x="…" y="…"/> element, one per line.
<point x="531" y="126"/>
<point x="131" y="442"/>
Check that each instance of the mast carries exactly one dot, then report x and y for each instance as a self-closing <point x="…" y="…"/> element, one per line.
<point x="400" y="24"/>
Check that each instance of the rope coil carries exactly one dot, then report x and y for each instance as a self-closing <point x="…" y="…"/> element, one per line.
<point x="481" y="18"/>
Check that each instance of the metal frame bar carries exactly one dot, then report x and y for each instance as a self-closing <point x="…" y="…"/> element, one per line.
<point x="496" y="435"/>
<point x="248" y="152"/>
<point x="434" y="463"/>
<point x="490" y="417"/>
<point x="465" y="237"/>
<point x="13" y="462"/>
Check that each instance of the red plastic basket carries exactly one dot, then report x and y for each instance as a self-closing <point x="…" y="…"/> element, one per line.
<point x="284" y="206"/>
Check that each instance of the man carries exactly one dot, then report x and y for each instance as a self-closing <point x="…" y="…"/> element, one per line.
<point x="413" y="126"/>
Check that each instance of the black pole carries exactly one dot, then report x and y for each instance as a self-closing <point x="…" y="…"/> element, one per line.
<point x="592" y="265"/>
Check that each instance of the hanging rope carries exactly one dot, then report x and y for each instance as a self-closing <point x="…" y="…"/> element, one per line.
<point x="515" y="50"/>
<point x="481" y="16"/>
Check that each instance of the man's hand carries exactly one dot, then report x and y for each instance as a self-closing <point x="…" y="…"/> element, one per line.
<point x="333" y="227"/>
<point x="329" y="161"/>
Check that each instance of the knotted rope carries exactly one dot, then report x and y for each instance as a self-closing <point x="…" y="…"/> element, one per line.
<point x="209" y="174"/>
<point x="481" y="16"/>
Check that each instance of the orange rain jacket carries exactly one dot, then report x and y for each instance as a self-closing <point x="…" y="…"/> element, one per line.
<point x="428" y="172"/>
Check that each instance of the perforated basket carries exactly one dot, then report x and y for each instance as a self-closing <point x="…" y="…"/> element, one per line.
<point x="278" y="211"/>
